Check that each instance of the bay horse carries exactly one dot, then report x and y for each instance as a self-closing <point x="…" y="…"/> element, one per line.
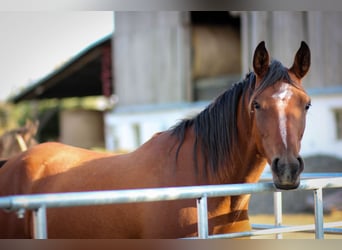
<point x="260" y="119"/>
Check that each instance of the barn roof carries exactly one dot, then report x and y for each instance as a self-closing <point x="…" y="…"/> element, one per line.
<point x="89" y="73"/>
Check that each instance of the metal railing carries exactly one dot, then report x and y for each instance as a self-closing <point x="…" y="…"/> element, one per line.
<point x="38" y="203"/>
<point x="278" y="213"/>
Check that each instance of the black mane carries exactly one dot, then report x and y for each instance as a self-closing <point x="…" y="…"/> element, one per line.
<point x="216" y="127"/>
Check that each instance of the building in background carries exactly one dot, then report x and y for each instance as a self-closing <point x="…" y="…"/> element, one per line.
<point x="59" y="100"/>
<point x="168" y="65"/>
<point x="160" y="67"/>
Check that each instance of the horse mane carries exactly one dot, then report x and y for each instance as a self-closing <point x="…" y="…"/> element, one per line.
<point x="216" y="127"/>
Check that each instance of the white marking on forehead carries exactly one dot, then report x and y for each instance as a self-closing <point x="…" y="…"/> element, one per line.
<point x="282" y="98"/>
<point x="284" y="93"/>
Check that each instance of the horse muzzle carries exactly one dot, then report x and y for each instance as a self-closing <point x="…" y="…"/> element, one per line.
<point x="286" y="173"/>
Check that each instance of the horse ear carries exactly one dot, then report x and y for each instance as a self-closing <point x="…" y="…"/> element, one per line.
<point x="302" y="60"/>
<point x="261" y="60"/>
<point x="32" y="127"/>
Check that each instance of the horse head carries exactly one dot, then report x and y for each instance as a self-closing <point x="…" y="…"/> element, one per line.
<point x="18" y="140"/>
<point x="279" y="113"/>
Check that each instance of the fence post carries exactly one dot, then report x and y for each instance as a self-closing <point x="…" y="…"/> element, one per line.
<point x="202" y="217"/>
<point x="318" y="198"/>
<point x="278" y="212"/>
<point x="39" y="223"/>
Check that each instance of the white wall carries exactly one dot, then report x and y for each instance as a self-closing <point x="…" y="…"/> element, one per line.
<point x="320" y="135"/>
<point x="128" y="128"/>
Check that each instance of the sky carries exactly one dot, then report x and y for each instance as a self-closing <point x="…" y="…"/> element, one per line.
<point x="33" y="44"/>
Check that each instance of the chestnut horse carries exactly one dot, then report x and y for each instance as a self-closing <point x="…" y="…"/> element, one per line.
<point x="260" y="119"/>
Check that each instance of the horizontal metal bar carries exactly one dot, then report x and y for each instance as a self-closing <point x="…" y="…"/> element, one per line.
<point x="274" y="230"/>
<point x="303" y="176"/>
<point x="331" y="230"/>
<point x="329" y="227"/>
<point x="152" y="194"/>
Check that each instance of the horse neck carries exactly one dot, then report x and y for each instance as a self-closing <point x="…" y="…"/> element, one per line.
<point x="250" y="163"/>
<point x="246" y="167"/>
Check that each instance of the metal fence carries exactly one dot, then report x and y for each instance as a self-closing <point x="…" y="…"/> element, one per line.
<point x="38" y="203"/>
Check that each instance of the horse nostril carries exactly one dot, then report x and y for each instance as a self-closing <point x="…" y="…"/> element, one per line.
<point x="301" y="164"/>
<point x="275" y="164"/>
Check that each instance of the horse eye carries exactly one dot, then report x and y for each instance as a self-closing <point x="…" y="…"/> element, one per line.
<point x="307" y="106"/>
<point x="256" y="105"/>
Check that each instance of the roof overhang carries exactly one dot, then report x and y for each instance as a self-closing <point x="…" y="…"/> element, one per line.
<point x="89" y="73"/>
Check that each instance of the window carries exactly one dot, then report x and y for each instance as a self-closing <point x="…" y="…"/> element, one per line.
<point x="216" y="52"/>
<point x="338" y="122"/>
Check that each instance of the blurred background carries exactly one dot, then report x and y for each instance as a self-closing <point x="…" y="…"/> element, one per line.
<point x="110" y="80"/>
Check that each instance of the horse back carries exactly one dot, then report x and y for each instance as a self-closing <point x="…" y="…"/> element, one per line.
<point x="54" y="168"/>
<point x="26" y="172"/>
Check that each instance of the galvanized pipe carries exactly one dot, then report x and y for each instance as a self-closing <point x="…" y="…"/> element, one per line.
<point x="278" y="211"/>
<point x="153" y="194"/>
<point x="39" y="223"/>
<point x="318" y="199"/>
<point x="271" y="230"/>
<point x="73" y="199"/>
<point x="202" y="217"/>
<point x="329" y="227"/>
<point x="304" y="176"/>
<point x="35" y="202"/>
